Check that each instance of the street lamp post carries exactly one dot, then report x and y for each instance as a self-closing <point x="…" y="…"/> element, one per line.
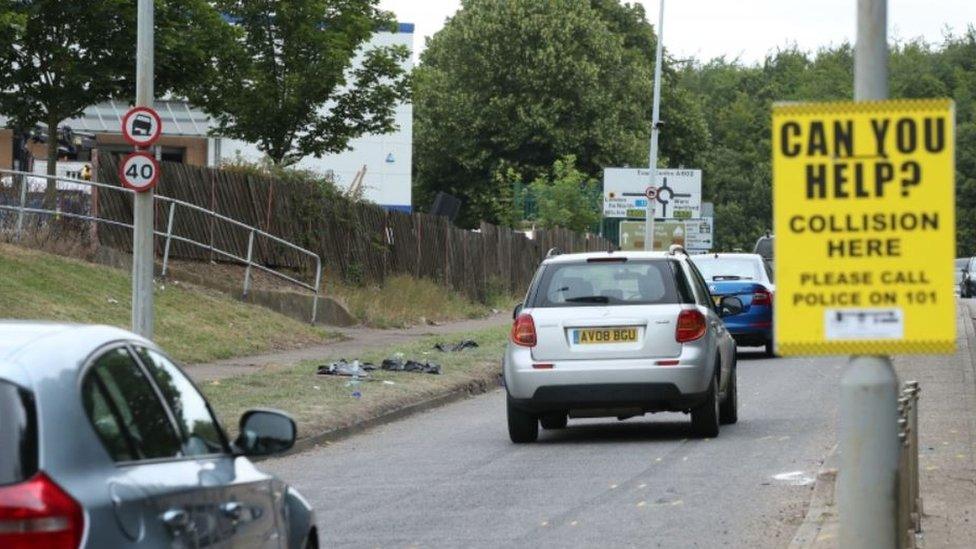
<point x="655" y="130"/>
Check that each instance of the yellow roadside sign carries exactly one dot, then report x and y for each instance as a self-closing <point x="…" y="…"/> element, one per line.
<point x="864" y="221"/>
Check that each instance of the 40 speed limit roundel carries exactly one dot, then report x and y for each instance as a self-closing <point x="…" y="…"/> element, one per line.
<point x="139" y="171"/>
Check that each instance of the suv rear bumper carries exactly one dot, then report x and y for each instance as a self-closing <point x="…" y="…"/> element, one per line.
<point x="581" y="384"/>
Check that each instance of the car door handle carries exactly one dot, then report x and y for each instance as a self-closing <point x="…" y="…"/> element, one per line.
<point x="176" y="520"/>
<point x="232" y="510"/>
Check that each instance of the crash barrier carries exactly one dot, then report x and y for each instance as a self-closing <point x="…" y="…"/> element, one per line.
<point x="359" y="242"/>
<point x="24" y="191"/>
<point x="909" y="506"/>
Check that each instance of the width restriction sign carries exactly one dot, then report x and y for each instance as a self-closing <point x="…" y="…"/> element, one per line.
<point x="864" y="218"/>
<point x="141" y="126"/>
<point x="139" y="171"/>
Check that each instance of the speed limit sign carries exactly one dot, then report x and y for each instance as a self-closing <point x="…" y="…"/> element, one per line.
<point x="139" y="171"/>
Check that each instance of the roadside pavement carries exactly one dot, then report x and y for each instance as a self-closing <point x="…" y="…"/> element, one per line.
<point x="947" y="449"/>
<point x="354" y="341"/>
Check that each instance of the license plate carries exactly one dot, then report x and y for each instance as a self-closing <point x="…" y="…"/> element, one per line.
<point x="588" y="336"/>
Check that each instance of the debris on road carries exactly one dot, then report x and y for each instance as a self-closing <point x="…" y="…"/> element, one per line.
<point x="459" y="346"/>
<point x="348" y="369"/>
<point x="398" y="364"/>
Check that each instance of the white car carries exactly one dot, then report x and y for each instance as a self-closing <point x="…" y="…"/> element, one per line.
<point x="619" y="334"/>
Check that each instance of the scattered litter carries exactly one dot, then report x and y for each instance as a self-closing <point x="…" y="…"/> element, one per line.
<point x="316" y="387"/>
<point x="795" y="478"/>
<point x="113" y="301"/>
<point x="388" y="382"/>
<point x="495" y="311"/>
<point x="459" y="346"/>
<point x="431" y="322"/>
<point x="344" y="368"/>
<point x="397" y="364"/>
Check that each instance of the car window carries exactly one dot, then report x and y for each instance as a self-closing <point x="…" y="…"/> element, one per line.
<point x="729" y="268"/>
<point x="199" y="430"/>
<point x="18" y="434"/>
<point x="598" y="283"/>
<point x="704" y="297"/>
<point x="126" y="411"/>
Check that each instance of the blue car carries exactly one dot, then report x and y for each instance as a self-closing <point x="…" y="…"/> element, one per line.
<point x="750" y="278"/>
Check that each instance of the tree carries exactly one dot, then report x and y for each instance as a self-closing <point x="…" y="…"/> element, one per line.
<point x="523" y="83"/>
<point x="567" y="197"/>
<point x="286" y="85"/>
<point x="58" y="58"/>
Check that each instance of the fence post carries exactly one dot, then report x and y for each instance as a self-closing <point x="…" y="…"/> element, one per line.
<point x="247" y="270"/>
<point x="916" y="502"/>
<point x="169" y="235"/>
<point x="318" y="282"/>
<point x="23" y="204"/>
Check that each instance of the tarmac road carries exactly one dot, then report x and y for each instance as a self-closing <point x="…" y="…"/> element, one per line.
<point x="451" y="478"/>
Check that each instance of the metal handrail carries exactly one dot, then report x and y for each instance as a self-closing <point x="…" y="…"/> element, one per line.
<point x="22" y="209"/>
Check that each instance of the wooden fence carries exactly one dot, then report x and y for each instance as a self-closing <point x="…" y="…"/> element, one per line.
<point x="359" y="242"/>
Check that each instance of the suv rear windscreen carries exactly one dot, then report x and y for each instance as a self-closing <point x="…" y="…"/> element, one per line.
<point x="18" y="434"/>
<point x="596" y="283"/>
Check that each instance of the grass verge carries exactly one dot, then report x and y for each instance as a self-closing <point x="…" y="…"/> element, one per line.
<point x="404" y="301"/>
<point x="322" y="403"/>
<point x="192" y="324"/>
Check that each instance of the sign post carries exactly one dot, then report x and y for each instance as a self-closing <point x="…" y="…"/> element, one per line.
<point x="655" y="130"/>
<point x="864" y="218"/>
<point x="142" y="219"/>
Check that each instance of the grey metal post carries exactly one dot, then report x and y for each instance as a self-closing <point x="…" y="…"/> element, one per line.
<point x="23" y="204"/>
<point x="913" y="456"/>
<point x="142" y="222"/>
<point x="869" y="446"/>
<point x="318" y="282"/>
<point x="169" y="237"/>
<point x="247" y="270"/>
<point x="655" y="129"/>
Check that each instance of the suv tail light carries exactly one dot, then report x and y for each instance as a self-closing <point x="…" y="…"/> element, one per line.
<point x="762" y="297"/>
<point x="691" y="326"/>
<point x="38" y="513"/>
<point x="523" y="331"/>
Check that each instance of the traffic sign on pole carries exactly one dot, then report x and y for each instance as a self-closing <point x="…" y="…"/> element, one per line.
<point x="141" y="126"/>
<point x="139" y="171"/>
<point x="650" y="193"/>
<point x="864" y="218"/>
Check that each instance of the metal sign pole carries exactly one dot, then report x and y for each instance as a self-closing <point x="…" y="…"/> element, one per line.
<point x="655" y="123"/>
<point x="867" y="480"/>
<point x="142" y="230"/>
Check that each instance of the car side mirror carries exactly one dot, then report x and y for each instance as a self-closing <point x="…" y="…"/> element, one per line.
<point x="729" y="306"/>
<point x="516" y="311"/>
<point x="265" y="432"/>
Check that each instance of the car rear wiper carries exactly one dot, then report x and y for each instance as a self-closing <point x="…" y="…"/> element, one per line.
<point x="731" y="277"/>
<point x="589" y="299"/>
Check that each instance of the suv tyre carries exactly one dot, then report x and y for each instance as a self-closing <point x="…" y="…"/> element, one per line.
<point x="704" y="418"/>
<point x="729" y="410"/>
<point x="522" y="426"/>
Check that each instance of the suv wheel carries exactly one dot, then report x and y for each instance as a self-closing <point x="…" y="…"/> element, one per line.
<point x="704" y="419"/>
<point x="522" y="426"/>
<point x="554" y="421"/>
<point x="769" y="348"/>
<point x="729" y="410"/>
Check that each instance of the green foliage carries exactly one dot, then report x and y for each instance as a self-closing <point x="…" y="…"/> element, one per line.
<point x="735" y="158"/>
<point x="521" y="83"/>
<point x="569" y="198"/>
<point x="291" y="59"/>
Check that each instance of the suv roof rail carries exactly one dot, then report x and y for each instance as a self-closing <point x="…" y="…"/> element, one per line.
<point x="553" y="252"/>
<point x="677" y="248"/>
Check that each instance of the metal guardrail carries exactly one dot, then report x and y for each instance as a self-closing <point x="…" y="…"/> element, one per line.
<point x="19" y="177"/>
<point x="909" y="508"/>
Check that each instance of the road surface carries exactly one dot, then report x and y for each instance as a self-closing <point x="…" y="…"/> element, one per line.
<point x="451" y="478"/>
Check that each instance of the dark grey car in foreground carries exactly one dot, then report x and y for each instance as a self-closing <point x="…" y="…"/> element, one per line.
<point x="104" y="442"/>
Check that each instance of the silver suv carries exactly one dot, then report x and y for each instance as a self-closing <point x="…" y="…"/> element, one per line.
<point x="619" y="334"/>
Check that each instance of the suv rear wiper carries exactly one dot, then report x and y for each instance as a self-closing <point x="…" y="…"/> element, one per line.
<point x="589" y="299"/>
<point x="731" y="277"/>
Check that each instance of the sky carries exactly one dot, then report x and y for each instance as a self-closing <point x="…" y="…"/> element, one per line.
<point x="746" y="29"/>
